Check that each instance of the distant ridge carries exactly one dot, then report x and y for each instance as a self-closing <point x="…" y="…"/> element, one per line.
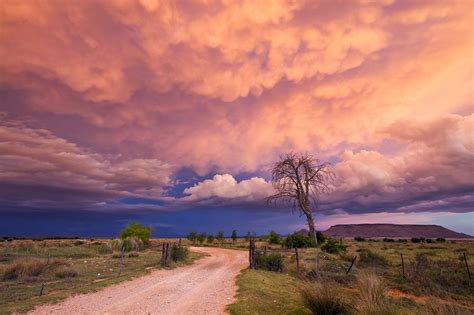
<point x="393" y="230"/>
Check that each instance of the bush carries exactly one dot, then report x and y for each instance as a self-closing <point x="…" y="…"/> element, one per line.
<point x="210" y="239"/>
<point x="65" y="272"/>
<point x="179" y="253"/>
<point x="78" y="243"/>
<point x="320" y="237"/>
<point x="133" y="254"/>
<point x="429" y="240"/>
<point x="220" y="237"/>
<point x="402" y="240"/>
<point x="274" y="238"/>
<point x="389" y="240"/>
<point x="359" y="239"/>
<point x="368" y="257"/>
<point x="271" y="262"/>
<point x="137" y="230"/>
<point x="333" y="246"/>
<point x="192" y="237"/>
<point x="440" y="239"/>
<point x="325" y="298"/>
<point x="415" y="240"/>
<point x="128" y="244"/>
<point x="201" y="238"/>
<point x="298" y="240"/>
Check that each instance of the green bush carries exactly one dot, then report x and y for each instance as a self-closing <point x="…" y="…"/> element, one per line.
<point x="389" y="240"/>
<point x="192" y="237"/>
<point x="274" y="238"/>
<point x="271" y="262"/>
<point x="234" y="235"/>
<point x="179" y="253"/>
<point x="415" y="240"/>
<point x="325" y="298"/>
<point x="127" y="245"/>
<point x="320" y="237"/>
<point x="210" y="239"/>
<point x="440" y="239"/>
<point x="137" y="230"/>
<point x="359" y="239"/>
<point x="429" y="240"/>
<point x="220" y="237"/>
<point x="201" y="238"/>
<point x="333" y="246"/>
<point x="298" y="240"/>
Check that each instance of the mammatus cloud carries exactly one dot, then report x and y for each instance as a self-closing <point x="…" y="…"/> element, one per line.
<point x="40" y="169"/>
<point x="102" y="97"/>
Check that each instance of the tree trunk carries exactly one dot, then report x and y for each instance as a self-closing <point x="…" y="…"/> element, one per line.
<point x="312" y="229"/>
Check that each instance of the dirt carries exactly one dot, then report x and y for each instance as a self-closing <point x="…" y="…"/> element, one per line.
<point x="205" y="287"/>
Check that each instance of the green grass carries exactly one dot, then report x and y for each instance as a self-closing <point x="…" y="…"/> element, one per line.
<point x="264" y="292"/>
<point x="94" y="271"/>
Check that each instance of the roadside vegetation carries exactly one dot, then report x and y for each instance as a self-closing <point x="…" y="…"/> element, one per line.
<point x="433" y="280"/>
<point x="34" y="272"/>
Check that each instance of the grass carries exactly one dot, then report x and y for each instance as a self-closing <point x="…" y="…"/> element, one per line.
<point x="66" y="267"/>
<point x="436" y="280"/>
<point x="265" y="292"/>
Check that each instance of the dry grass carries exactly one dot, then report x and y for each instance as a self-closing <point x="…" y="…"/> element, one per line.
<point x="434" y="307"/>
<point x="65" y="272"/>
<point x="30" y="268"/>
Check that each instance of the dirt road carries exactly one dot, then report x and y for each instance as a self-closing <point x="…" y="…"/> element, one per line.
<point x="205" y="287"/>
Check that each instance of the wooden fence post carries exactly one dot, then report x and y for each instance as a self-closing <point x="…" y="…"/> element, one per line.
<point x="317" y="262"/>
<point x="167" y="253"/>
<point x="252" y="258"/>
<point x="352" y="263"/>
<point x="41" y="290"/>
<point x="297" y="260"/>
<point x="467" y="266"/>
<point x="403" y="266"/>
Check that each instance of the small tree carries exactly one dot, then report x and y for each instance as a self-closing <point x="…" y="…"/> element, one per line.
<point x="210" y="238"/>
<point x="201" y="238"/>
<point x="192" y="237"/>
<point x="274" y="238"/>
<point x="297" y="180"/>
<point x="135" y="229"/>
<point x="220" y="237"/>
<point x="234" y="236"/>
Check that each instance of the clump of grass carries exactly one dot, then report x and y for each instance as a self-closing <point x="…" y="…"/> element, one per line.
<point x="65" y="272"/>
<point x="372" y="296"/>
<point x="23" y="269"/>
<point x="133" y="254"/>
<point x="368" y="257"/>
<point x="271" y="262"/>
<point x="434" y="307"/>
<point x="325" y="298"/>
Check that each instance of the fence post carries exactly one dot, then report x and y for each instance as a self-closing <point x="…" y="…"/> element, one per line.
<point x="179" y="243"/>
<point x="41" y="290"/>
<point x="317" y="262"/>
<point x="467" y="266"/>
<point x="352" y="263"/>
<point x="403" y="266"/>
<point x="253" y="263"/>
<point x="297" y="260"/>
<point x="167" y="253"/>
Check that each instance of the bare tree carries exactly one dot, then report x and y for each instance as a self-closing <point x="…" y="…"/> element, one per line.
<point x="297" y="180"/>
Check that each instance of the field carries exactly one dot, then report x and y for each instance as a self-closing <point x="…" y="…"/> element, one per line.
<point x="51" y="270"/>
<point x="436" y="280"/>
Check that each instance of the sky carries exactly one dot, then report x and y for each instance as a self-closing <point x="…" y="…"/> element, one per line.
<point x="171" y="113"/>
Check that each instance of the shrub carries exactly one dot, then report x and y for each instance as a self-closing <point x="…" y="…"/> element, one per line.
<point x="234" y="235"/>
<point x="127" y="245"/>
<point x="210" y="239"/>
<point x="359" y="239"/>
<point x="402" y="240"/>
<point x="325" y="298"/>
<point x="271" y="262"/>
<point x="201" y="238"/>
<point x="371" y="290"/>
<point x="429" y="240"/>
<point x="192" y="237"/>
<point x="65" y="272"/>
<point x="389" y="240"/>
<point x="78" y="243"/>
<point x="274" y="238"/>
<point x="440" y="239"/>
<point x="368" y="257"/>
<point x="298" y="240"/>
<point x="333" y="246"/>
<point x="179" y="253"/>
<point x="137" y="230"/>
<point x="320" y="237"/>
<point x="415" y="240"/>
<point x="220" y="237"/>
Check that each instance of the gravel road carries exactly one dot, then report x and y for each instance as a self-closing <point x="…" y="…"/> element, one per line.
<point x="205" y="287"/>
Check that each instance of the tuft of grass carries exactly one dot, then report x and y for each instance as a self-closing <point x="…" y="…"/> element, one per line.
<point x="24" y="269"/>
<point x="65" y="272"/>
<point x="271" y="262"/>
<point x="371" y="293"/>
<point x="326" y="299"/>
<point x="434" y="307"/>
<point x="369" y="257"/>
